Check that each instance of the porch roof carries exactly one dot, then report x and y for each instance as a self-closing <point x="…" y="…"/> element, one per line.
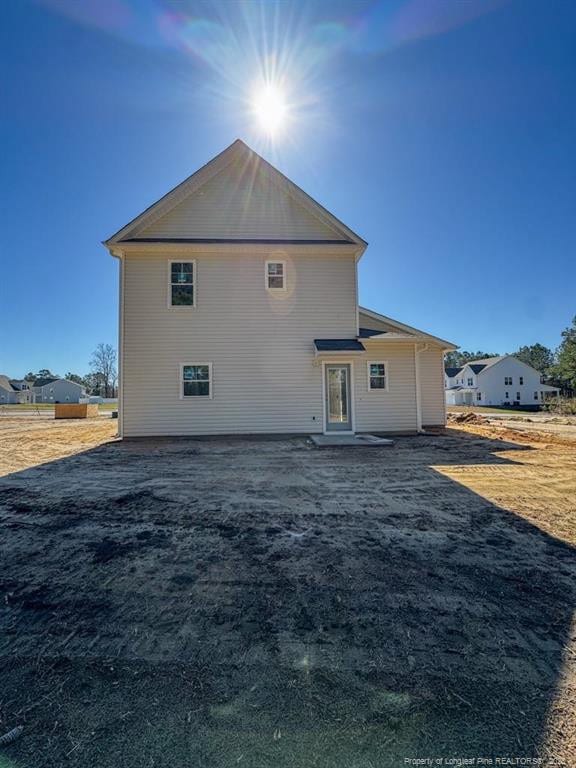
<point x="339" y="345"/>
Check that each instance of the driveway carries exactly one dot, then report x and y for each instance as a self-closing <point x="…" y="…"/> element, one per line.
<point x="265" y="603"/>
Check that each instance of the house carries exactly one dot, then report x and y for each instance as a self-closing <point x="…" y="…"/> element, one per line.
<point x="503" y="380"/>
<point x="239" y="314"/>
<point x="14" y="391"/>
<point x="56" y="390"/>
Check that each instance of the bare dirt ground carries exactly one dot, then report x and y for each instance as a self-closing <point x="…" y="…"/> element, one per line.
<point x="265" y="603"/>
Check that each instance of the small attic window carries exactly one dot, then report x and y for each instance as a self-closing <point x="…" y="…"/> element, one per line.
<point x="276" y="275"/>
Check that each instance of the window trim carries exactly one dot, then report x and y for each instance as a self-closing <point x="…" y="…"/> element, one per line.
<point x="194" y="304"/>
<point x="284" y="276"/>
<point x="386" y="375"/>
<point x="209" y="396"/>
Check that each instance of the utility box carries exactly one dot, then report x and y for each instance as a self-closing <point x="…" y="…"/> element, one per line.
<point x="75" y="410"/>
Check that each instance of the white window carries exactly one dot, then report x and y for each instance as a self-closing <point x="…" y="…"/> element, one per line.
<point x="479" y="396"/>
<point x="377" y="376"/>
<point x="182" y="284"/>
<point x="276" y="275"/>
<point x="507" y="381"/>
<point x="507" y="396"/>
<point x="196" y="380"/>
<point x="521" y="380"/>
<point x="517" y="395"/>
<point x="470" y="381"/>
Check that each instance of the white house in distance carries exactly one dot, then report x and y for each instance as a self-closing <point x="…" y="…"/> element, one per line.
<point x="503" y="380"/>
<point x="239" y="314"/>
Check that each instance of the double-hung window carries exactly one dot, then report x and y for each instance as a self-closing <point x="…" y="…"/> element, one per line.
<point x="182" y="284"/>
<point x="470" y="381"/>
<point x="507" y="381"/>
<point x="276" y="275"/>
<point x="196" y="380"/>
<point x="377" y="376"/>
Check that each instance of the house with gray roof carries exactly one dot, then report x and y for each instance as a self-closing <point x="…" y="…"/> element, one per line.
<point x="496" y="381"/>
<point x="14" y="391"/>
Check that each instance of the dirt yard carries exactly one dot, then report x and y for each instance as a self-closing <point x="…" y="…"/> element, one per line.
<point x="265" y="603"/>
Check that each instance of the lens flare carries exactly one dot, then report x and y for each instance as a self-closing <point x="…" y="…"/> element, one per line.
<point x="270" y="109"/>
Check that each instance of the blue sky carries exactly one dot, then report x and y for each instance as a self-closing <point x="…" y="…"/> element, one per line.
<point x="442" y="131"/>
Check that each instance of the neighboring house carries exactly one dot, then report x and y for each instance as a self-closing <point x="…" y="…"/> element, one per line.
<point x="502" y="380"/>
<point x="14" y="391"/>
<point x="239" y="314"/>
<point x="54" y="390"/>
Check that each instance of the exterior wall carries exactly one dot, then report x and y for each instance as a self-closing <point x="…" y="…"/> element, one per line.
<point x="260" y="344"/>
<point x="432" y="400"/>
<point x="392" y="410"/>
<point x="491" y="383"/>
<point x="365" y="321"/>
<point x="254" y="207"/>
<point x="59" y="391"/>
<point x="7" y="396"/>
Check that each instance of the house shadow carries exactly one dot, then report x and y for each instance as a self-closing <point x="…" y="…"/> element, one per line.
<point x="264" y="603"/>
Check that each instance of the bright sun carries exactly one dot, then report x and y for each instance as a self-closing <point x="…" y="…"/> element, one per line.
<point x="270" y="109"/>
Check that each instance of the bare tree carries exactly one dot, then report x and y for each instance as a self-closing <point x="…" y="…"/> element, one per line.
<point x="103" y="366"/>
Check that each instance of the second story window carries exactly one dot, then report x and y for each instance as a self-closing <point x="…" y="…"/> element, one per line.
<point x="470" y="381"/>
<point x="276" y="275"/>
<point x="182" y="274"/>
<point x="507" y="381"/>
<point x="521" y="379"/>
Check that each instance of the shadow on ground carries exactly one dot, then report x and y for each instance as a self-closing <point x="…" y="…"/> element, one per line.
<point x="261" y="603"/>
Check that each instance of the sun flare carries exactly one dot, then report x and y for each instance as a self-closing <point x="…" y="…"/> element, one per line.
<point x="270" y="109"/>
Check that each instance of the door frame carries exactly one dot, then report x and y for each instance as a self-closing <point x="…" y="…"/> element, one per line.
<point x="350" y="431"/>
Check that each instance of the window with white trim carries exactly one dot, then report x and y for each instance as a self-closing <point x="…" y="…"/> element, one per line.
<point x="377" y="376"/>
<point x="276" y="275"/>
<point x="517" y="395"/>
<point x="507" y="381"/>
<point x="182" y="283"/>
<point x="521" y="380"/>
<point x="196" y="380"/>
<point x="507" y="395"/>
<point x="479" y="396"/>
<point x="470" y="381"/>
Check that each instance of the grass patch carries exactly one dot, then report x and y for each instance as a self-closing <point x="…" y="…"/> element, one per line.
<point x="486" y="409"/>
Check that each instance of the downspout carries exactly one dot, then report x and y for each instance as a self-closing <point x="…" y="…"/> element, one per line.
<point x="417" y="350"/>
<point x="119" y="254"/>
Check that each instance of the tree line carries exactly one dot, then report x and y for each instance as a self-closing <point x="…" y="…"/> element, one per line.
<point x="558" y="367"/>
<point x="102" y="379"/>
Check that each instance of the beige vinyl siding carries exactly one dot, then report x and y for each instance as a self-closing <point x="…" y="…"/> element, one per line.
<point x="364" y="321"/>
<point x="237" y="203"/>
<point x="432" y="386"/>
<point x="260" y="344"/>
<point x="393" y="410"/>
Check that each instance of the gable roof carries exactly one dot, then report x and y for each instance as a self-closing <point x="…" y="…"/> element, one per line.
<point x="237" y="197"/>
<point x="394" y="328"/>
<point x="44" y="382"/>
<point x="451" y="372"/>
<point x="5" y="383"/>
<point x="480" y="365"/>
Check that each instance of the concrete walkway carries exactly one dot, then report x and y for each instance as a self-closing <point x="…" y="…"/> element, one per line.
<point x="349" y="441"/>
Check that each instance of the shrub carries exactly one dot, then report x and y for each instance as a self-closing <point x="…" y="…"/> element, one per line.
<point x="565" y="406"/>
